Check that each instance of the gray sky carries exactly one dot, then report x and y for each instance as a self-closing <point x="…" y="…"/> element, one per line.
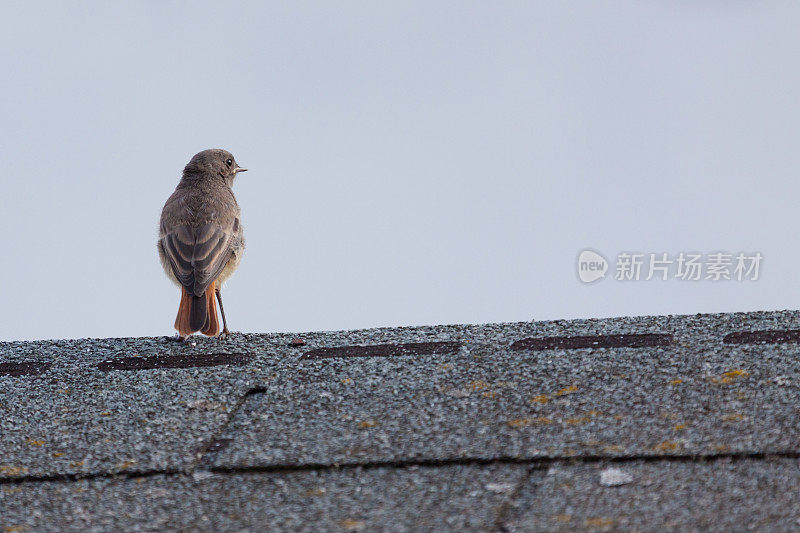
<point x="410" y="162"/>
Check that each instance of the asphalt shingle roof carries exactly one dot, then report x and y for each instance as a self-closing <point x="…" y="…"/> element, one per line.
<point x="489" y="427"/>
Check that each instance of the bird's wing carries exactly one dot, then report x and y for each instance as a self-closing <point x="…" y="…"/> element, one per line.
<point x="197" y="255"/>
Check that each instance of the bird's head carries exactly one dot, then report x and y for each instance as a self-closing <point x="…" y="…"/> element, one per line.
<point x="214" y="162"/>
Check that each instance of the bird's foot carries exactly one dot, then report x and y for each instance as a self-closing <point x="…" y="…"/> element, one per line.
<point x="225" y="335"/>
<point x="177" y="338"/>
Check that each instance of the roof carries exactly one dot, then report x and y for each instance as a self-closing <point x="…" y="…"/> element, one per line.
<point x="658" y="422"/>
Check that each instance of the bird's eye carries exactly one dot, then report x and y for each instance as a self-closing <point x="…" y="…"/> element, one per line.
<point x="229" y="162"/>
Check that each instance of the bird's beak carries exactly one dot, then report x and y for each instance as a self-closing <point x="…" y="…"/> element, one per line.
<point x="240" y="169"/>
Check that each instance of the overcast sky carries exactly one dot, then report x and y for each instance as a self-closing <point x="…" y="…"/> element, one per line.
<point x="410" y="162"/>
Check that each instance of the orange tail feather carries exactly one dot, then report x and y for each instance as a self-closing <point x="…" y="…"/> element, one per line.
<point x="212" y="324"/>
<point x="184" y="313"/>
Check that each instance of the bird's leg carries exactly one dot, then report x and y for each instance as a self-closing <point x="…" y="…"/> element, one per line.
<point x="225" y="333"/>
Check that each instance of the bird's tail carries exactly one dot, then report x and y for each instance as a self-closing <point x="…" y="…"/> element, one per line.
<point x="197" y="313"/>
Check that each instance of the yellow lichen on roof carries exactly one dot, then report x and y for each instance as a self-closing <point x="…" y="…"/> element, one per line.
<point x="735" y="373"/>
<point x="315" y="491"/>
<point x="126" y="464"/>
<point x="733" y="417"/>
<point x="730" y="376"/>
<point x="567" y="390"/>
<point x="522" y="422"/>
<point x="666" y="446"/>
<point x="577" y="420"/>
<point x="477" y="385"/>
<point x="352" y="525"/>
<point x="582" y="419"/>
<point x="11" y="470"/>
<point x="599" y="521"/>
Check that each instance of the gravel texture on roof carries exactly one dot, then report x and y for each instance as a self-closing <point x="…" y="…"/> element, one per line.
<point x="452" y="498"/>
<point x="722" y="495"/>
<point x="141" y="432"/>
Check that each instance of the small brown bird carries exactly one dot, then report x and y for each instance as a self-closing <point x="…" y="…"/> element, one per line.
<point x="201" y="240"/>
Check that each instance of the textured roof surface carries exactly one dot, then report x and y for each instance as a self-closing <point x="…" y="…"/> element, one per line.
<point x="683" y="422"/>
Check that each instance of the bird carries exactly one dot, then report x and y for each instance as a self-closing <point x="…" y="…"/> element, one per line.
<point x="201" y="240"/>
